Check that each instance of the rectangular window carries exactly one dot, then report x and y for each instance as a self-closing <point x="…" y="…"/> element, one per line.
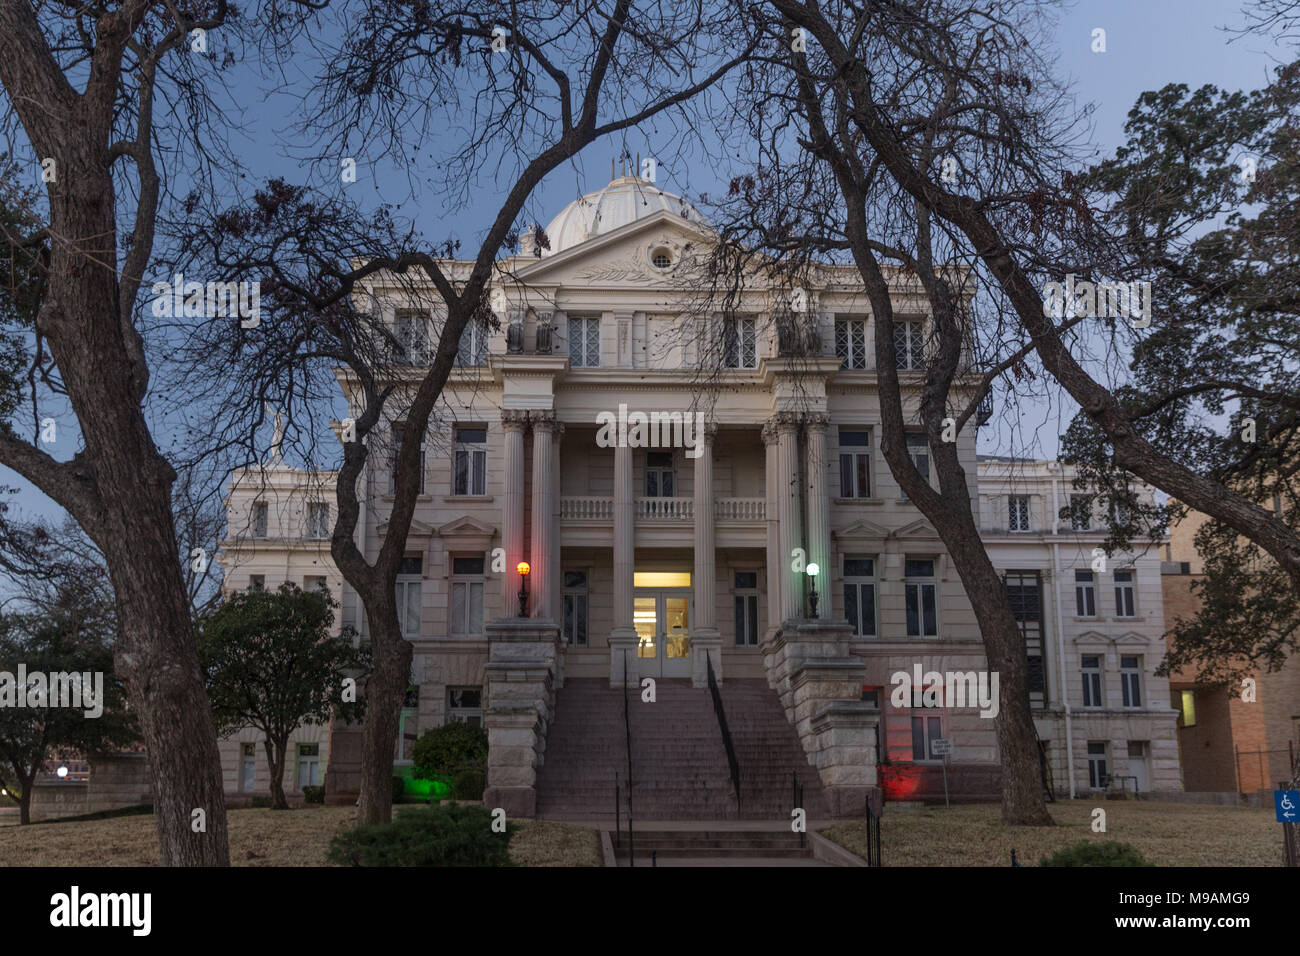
<point x="247" y="767"/>
<point x="465" y="705"/>
<point x="909" y="345"/>
<point x="855" y="464"/>
<point x="467" y="596"/>
<point x="412" y="330"/>
<point x="472" y="348"/>
<point x="860" y="595"/>
<point x="308" y="765"/>
<point x="918" y="449"/>
<point x="1024" y="590"/>
<point x="1124" y="594"/>
<point x="318" y="520"/>
<point x="410" y="574"/>
<point x="1092" y="686"/>
<point x="1188" y="700"/>
<point x="584" y="342"/>
<point x="925" y="730"/>
<point x="1130" y="680"/>
<point x="919" y="597"/>
<point x="315" y="583"/>
<point x="740" y="342"/>
<point x="261" y="514"/>
<point x="470" y="476"/>
<point x="746" y="602"/>
<point x="660" y="478"/>
<point x="1017" y="513"/>
<point x="575" y="607"/>
<point x="1085" y="594"/>
<point x="1097" y="777"/>
<point x="1080" y="513"/>
<point x="851" y="343"/>
<point x="398" y="432"/>
<point x="257" y="582"/>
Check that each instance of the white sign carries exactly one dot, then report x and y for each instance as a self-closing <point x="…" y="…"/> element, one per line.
<point x="941" y="746"/>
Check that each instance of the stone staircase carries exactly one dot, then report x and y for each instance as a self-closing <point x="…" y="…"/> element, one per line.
<point x="748" y="847"/>
<point x="678" y="760"/>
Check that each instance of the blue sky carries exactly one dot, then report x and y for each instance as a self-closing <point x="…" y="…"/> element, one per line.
<point x="1149" y="43"/>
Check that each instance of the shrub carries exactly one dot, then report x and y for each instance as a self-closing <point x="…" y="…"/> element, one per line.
<point x="313" y="794"/>
<point x="468" y="784"/>
<point x="449" y="749"/>
<point x="1092" y="853"/>
<point x="438" y="836"/>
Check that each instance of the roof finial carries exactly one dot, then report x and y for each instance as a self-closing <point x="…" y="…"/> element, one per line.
<point x="611" y="169"/>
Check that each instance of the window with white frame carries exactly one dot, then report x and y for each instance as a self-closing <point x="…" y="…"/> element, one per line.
<point x="308" y="765"/>
<point x="909" y="345"/>
<point x="465" y="705"/>
<point x="574" y="596"/>
<point x="739" y="342"/>
<point x="919" y="597"/>
<point x="860" y="595"/>
<point x="247" y="767"/>
<point x="318" y="520"/>
<point x="315" y="584"/>
<point x="472" y="348"/>
<point x="398" y="432"/>
<point x="855" y="463"/>
<point x="408" y="723"/>
<point x="1018" y="512"/>
<point x="261" y="519"/>
<point x="467" y="596"/>
<point x="851" y="343"/>
<point x="1097" y="778"/>
<point x="660" y="477"/>
<point x="1024" y="591"/>
<point x="918" y="449"/>
<point x="1125" y="601"/>
<point x="410" y="574"/>
<point x="1085" y="594"/>
<point x="1090" y="665"/>
<point x="1120" y="514"/>
<point x="412" y="332"/>
<point x="470" y="465"/>
<point x="257" y="582"/>
<point x="1080" y="513"/>
<point x="925" y="731"/>
<point x="584" y="342"/>
<point x="746" y="603"/>
<point x="1130" y="679"/>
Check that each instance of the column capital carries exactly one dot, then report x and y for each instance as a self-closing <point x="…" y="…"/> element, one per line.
<point x="709" y="432"/>
<point x="769" y="432"/>
<point x="514" y="419"/>
<point x="786" y="421"/>
<point x="543" y="420"/>
<point x="818" y="420"/>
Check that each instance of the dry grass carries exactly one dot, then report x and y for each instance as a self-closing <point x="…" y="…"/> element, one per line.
<point x="1167" y="834"/>
<point x="257" y="838"/>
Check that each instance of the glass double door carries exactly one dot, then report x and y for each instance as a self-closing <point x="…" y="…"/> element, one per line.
<point x="662" y="621"/>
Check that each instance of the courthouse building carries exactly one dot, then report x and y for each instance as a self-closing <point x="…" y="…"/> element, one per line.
<point x="683" y="550"/>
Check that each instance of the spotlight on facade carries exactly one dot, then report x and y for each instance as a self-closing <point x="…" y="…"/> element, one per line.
<point x="812" y="570"/>
<point x="62" y="772"/>
<point x="523" y="568"/>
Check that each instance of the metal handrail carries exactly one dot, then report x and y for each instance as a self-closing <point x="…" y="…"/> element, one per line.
<point x="873" y="836"/>
<point x="796" y="797"/>
<point x="722" y="724"/>
<point x="627" y="731"/>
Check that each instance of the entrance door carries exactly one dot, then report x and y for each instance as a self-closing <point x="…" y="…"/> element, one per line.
<point x="662" y="621"/>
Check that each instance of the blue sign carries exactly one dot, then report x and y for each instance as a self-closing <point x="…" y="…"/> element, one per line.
<point x="1287" y="805"/>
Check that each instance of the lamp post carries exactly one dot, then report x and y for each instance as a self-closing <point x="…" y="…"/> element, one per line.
<point x="523" y="568"/>
<point x="812" y="570"/>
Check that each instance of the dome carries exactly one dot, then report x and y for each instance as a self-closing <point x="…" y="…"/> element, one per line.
<point x="626" y="199"/>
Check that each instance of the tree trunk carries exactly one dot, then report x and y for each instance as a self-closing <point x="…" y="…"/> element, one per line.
<point x="275" y="760"/>
<point x="385" y="691"/>
<point x="25" y="802"/>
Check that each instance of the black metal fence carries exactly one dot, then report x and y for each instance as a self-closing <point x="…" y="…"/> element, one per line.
<point x="718" y="709"/>
<point x="873" y="834"/>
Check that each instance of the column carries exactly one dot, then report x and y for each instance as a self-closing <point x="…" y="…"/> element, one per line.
<point x="819" y="508"/>
<point x="774" y="616"/>
<point x="705" y="639"/>
<point x="623" y="636"/>
<point x="513" y="421"/>
<point x="787" y="489"/>
<point x="539" y="586"/>
<point x="557" y="566"/>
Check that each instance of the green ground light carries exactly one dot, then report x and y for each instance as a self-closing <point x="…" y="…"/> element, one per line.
<point x="416" y="789"/>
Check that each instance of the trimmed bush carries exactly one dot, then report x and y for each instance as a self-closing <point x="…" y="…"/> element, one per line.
<point x="1092" y="853"/>
<point x="313" y="794"/>
<point x="468" y="784"/>
<point x="440" y="836"/>
<point x="448" y="749"/>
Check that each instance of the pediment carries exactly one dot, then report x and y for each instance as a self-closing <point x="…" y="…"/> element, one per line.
<point x="1132" y="638"/>
<point x="862" y="529"/>
<point x="917" y="529"/>
<point x="466" y="527"/>
<point x="1091" y="638"/>
<point x="617" y="257"/>
<point x="419" y="529"/>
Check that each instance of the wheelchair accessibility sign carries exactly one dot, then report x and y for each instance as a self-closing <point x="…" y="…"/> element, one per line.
<point x="1287" y="804"/>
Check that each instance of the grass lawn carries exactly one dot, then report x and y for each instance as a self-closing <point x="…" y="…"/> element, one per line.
<point x="258" y="838"/>
<point x="1167" y="834"/>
